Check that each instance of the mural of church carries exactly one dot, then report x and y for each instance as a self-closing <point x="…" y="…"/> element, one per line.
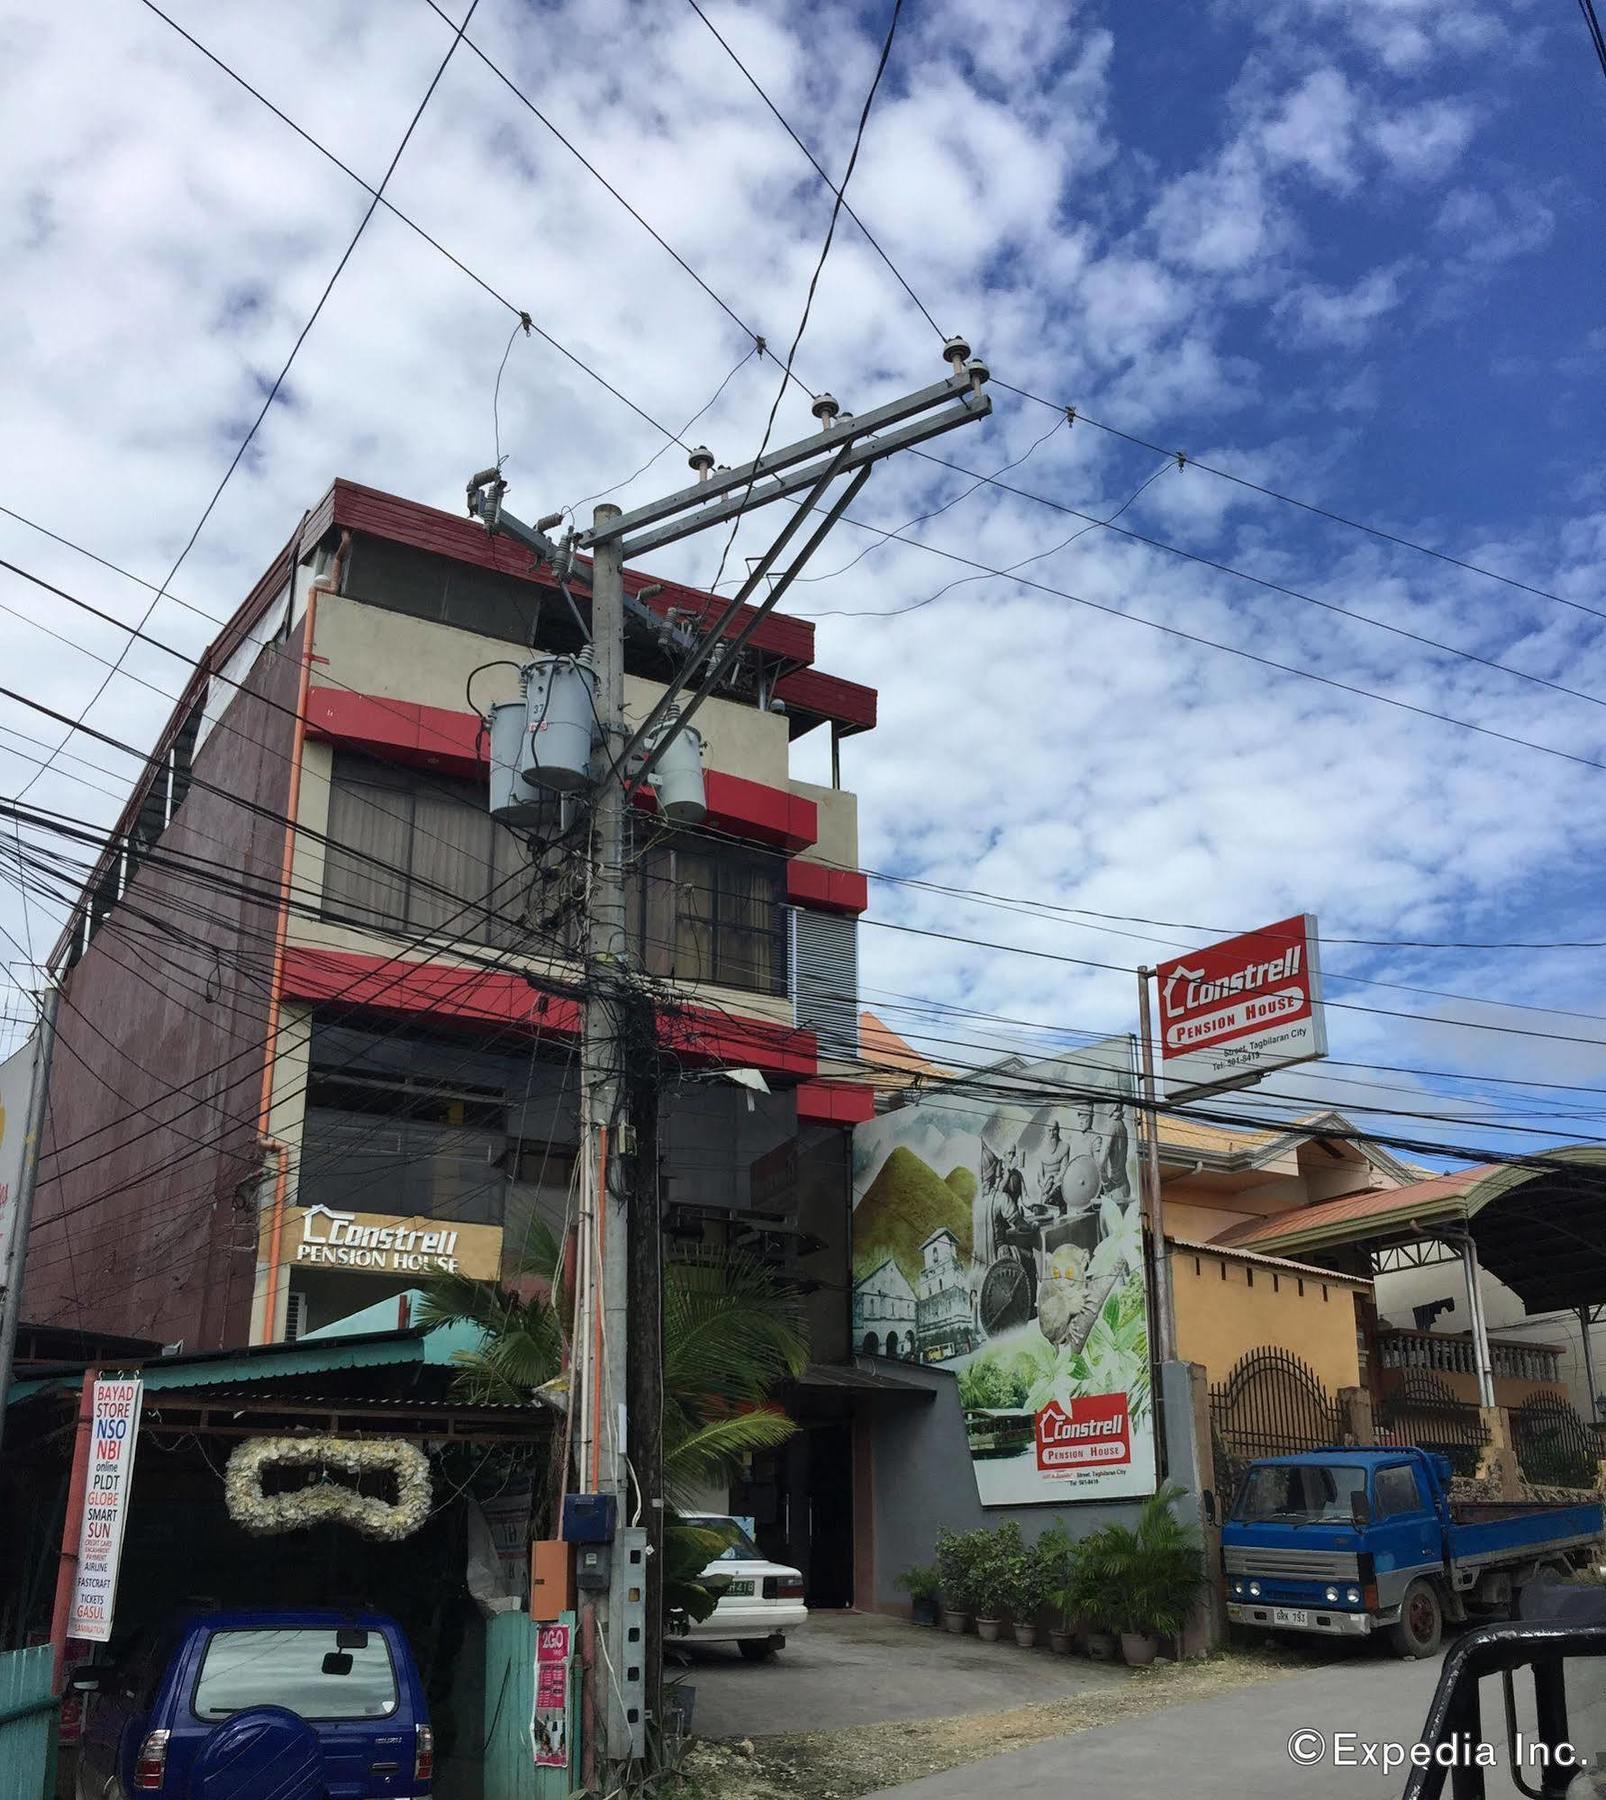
<point x="884" y="1312"/>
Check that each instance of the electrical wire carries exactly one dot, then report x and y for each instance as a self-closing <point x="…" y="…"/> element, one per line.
<point x="278" y="382"/>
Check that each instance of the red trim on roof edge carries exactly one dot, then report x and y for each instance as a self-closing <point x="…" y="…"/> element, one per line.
<point x="834" y="1103"/>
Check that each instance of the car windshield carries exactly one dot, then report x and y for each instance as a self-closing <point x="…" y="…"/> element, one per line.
<point x="739" y="1547"/>
<point x="312" y="1670"/>
<point x="1300" y="1493"/>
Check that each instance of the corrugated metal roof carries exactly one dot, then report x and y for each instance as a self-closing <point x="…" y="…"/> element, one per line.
<point x="1355" y="1217"/>
<point x="1235" y="1253"/>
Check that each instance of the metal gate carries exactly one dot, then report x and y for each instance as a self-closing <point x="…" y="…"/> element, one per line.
<point x="1270" y="1405"/>
<point x="1426" y="1412"/>
<point x="1555" y="1448"/>
<point x="28" y="1712"/>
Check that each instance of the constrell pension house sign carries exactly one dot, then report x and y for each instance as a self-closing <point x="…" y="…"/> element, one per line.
<point x="346" y="1241"/>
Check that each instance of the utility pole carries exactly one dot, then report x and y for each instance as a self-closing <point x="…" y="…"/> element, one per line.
<point x="616" y="1394"/>
<point x="1160" y="1264"/>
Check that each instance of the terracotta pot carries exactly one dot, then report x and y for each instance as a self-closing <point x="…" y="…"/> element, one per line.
<point x="988" y="1629"/>
<point x="1137" y="1649"/>
<point x="954" y="1621"/>
<point x="1101" y="1646"/>
<point x="1026" y="1636"/>
<point x="1059" y="1640"/>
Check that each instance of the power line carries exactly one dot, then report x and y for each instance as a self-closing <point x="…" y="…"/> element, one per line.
<point x="273" y="391"/>
<point x="1593" y="26"/>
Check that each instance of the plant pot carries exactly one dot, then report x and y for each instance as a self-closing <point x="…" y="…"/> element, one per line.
<point x="954" y="1621"/>
<point x="1059" y="1640"/>
<point x="1137" y="1649"/>
<point x="1026" y="1636"/>
<point x="1101" y="1646"/>
<point x="923" y="1610"/>
<point x="988" y="1629"/>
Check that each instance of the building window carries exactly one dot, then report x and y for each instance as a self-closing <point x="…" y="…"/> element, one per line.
<point x="408" y="850"/>
<point x="710" y="913"/>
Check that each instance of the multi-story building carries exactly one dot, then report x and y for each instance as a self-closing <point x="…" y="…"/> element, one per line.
<point x="318" y="1034"/>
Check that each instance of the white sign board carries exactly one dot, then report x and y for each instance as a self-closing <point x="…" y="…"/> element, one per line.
<point x="108" y="1488"/>
<point x="1235" y="1011"/>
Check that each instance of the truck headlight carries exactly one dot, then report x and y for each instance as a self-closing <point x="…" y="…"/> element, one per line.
<point x="1332" y="1596"/>
<point x="1254" y="1590"/>
<point x="1354" y="1596"/>
<point x="1238" y="1588"/>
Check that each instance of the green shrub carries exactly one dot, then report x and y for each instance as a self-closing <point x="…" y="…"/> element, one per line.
<point x="1142" y="1578"/>
<point x="958" y="1571"/>
<point x="921" y="1581"/>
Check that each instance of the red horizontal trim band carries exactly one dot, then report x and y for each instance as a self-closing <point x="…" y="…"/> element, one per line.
<point x="453" y="994"/>
<point x="834" y="1103"/>
<point x="402" y="521"/>
<point x="753" y="810"/>
<point x="436" y="737"/>
<point x="431" y="736"/>
<point x="826" y="890"/>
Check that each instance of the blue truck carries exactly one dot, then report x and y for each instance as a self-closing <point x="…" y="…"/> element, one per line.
<point x="295" y="1704"/>
<point x="1348" y="1542"/>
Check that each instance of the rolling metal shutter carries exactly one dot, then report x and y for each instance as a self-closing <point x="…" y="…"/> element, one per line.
<point x="825" y="979"/>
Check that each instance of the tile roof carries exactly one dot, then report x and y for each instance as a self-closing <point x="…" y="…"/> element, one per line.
<point x="1355" y="1217"/>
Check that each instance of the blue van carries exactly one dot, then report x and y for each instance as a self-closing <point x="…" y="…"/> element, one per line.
<point x="246" y="1705"/>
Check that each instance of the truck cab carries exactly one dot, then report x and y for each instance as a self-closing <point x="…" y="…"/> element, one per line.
<point x="1350" y="1541"/>
<point x="260" y="1703"/>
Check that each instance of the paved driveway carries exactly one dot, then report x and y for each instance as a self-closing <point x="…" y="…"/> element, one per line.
<point x="1234" y="1747"/>
<point x="859" y="1669"/>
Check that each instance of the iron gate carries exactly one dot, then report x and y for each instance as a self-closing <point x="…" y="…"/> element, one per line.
<point x="1270" y="1405"/>
<point x="28" y="1710"/>
<point x="1555" y="1448"/>
<point x="1426" y="1412"/>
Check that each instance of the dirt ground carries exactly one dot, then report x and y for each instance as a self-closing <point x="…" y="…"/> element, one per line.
<point x="863" y="1759"/>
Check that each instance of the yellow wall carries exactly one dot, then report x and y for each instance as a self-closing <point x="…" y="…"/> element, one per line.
<point x="1226" y="1307"/>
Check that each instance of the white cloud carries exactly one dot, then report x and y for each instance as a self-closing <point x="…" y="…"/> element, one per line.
<point x="1324" y="315"/>
<point x="1423" y="143"/>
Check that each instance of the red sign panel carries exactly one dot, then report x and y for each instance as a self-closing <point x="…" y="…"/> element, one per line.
<point x="549" y="1727"/>
<point x="1095" y="1433"/>
<point x="1236" y="1010"/>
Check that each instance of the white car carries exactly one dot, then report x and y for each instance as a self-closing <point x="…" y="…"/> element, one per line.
<point x="762" y="1601"/>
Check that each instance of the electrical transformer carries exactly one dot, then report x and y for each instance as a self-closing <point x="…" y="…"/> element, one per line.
<point x="543" y="740"/>
<point x="677" y="776"/>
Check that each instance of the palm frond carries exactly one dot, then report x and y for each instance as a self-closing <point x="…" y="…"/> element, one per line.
<point x="732" y="1329"/>
<point x="715" y="1449"/>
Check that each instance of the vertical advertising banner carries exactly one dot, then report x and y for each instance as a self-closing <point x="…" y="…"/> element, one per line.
<point x="109" y="1482"/>
<point x="1003" y="1239"/>
<point x="549" y="1730"/>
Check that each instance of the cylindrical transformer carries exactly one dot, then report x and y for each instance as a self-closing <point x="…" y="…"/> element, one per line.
<point x="677" y="776"/>
<point x="513" y="801"/>
<point x="560" y="701"/>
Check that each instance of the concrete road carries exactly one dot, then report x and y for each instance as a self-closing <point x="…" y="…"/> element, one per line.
<point x="859" y="1669"/>
<point x="1234" y="1747"/>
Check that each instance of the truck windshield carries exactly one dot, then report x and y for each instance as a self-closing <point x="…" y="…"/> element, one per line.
<point x="1300" y="1493"/>
<point x="302" y="1668"/>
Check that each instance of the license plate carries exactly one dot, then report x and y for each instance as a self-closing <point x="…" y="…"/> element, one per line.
<point x="740" y="1587"/>
<point x="1290" y="1615"/>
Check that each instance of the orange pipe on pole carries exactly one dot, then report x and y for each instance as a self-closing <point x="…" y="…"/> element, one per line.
<point x="72" y="1528"/>
<point x="600" y="1238"/>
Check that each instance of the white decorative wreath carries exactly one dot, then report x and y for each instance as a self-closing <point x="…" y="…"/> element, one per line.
<point x="328" y="1502"/>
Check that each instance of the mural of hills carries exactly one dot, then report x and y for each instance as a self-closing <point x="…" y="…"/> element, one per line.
<point x="907" y="1201"/>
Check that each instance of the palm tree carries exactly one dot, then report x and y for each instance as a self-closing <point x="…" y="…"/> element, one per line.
<point x="732" y="1332"/>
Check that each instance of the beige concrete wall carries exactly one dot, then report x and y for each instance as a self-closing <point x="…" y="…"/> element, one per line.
<point x="1225" y="1307"/>
<point x="398" y="658"/>
<point x="838" y="842"/>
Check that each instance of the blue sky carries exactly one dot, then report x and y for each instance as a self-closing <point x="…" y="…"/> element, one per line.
<point x="1350" y="249"/>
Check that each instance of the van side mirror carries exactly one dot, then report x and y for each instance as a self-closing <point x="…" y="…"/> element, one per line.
<point x="1360" y="1509"/>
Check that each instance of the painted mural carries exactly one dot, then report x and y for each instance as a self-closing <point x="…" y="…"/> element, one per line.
<point x="1004" y="1239"/>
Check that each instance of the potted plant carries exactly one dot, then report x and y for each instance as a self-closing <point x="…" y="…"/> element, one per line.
<point x="995" y="1552"/>
<point x="1023" y="1575"/>
<point x="956" y="1577"/>
<point x="1151" y="1575"/>
<point x="1055" y="1555"/>
<point x="1089" y="1593"/>
<point x="922" y="1584"/>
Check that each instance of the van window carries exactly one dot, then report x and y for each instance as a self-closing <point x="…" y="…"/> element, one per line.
<point x="302" y="1668"/>
<point x="1397" y="1492"/>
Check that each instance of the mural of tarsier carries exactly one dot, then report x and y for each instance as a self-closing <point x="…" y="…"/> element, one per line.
<point x="1045" y="1196"/>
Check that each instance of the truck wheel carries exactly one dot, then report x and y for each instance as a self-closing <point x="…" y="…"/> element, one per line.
<point x="1421" y="1622"/>
<point x="759" y="1649"/>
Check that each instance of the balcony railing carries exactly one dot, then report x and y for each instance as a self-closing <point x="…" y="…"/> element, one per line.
<point x="1444" y="1354"/>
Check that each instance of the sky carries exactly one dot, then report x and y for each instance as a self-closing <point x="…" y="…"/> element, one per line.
<point x="1348" y="250"/>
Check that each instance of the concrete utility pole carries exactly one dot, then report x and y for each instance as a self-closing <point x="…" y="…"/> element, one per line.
<point x="616" y="1385"/>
